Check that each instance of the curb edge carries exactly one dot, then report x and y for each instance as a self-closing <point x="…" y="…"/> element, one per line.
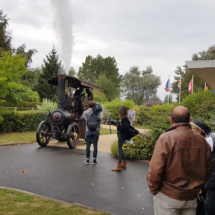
<point x="53" y="199"/>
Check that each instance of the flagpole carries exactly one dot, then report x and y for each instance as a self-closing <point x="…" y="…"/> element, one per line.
<point x="192" y="83"/>
<point x="168" y="89"/>
<point x="180" y="91"/>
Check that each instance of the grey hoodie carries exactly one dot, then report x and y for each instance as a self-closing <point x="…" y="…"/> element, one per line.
<point x="86" y="115"/>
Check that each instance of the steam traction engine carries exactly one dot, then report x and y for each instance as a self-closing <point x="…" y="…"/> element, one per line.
<point x="66" y="122"/>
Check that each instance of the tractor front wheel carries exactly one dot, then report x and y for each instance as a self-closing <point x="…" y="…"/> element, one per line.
<point x="72" y="135"/>
<point x="43" y="133"/>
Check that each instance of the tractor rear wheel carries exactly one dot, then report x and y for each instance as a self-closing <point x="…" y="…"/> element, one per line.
<point x="72" y="135"/>
<point x="43" y="133"/>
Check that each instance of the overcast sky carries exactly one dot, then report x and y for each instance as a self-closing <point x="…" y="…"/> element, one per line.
<point x="158" y="33"/>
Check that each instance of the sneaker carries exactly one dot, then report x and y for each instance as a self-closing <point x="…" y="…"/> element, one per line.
<point x="94" y="161"/>
<point x="87" y="161"/>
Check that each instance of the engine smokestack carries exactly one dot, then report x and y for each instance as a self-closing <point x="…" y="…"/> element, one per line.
<point x="61" y="89"/>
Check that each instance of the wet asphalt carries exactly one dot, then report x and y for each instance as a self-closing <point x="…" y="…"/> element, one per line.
<point x="60" y="173"/>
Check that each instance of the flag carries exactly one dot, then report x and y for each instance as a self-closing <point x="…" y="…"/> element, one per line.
<point x="167" y="86"/>
<point x="179" y="85"/>
<point x="206" y="87"/>
<point x="190" y="86"/>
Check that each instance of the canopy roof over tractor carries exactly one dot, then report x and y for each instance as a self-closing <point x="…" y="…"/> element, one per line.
<point x="204" y="69"/>
<point x="74" y="82"/>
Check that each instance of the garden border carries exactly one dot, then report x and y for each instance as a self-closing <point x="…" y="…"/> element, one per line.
<point x="55" y="200"/>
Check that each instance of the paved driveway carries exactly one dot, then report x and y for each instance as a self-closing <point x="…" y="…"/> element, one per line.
<point x="60" y="173"/>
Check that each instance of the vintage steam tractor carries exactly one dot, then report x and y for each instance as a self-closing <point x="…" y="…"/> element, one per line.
<point x="66" y="122"/>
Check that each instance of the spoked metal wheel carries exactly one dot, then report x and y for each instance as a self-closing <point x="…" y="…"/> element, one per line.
<point x="43" y="133"/>
<point x="72" y="135"/>
<point x="63" y="138"/>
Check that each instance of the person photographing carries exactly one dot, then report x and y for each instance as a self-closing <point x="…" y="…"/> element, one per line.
<point x="122" y="131"/>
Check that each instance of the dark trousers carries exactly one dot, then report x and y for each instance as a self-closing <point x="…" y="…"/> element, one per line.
<point x="121" y="140"/>
<point x="210" y="202"/>
<point x="92" y="136"/>
<point x="201" y="208"/>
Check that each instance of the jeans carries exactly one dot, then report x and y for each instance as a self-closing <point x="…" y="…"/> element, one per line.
<point x="92" y="136"/>
<point x="122" y="138"/>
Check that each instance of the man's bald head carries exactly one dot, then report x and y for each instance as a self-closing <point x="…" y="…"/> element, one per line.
<point x="180" y="114"/>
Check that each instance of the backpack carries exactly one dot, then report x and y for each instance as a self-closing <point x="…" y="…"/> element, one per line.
<point x="92" y="121"/>
<point x="97" y="108"/>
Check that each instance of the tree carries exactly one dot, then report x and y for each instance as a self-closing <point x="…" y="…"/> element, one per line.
<point x="6" y="41"/>
<point x="140" y="86"/>
<point x="12" y="68"/>
<point x="30" y="78"/>
<point x="5" y="36"/>
<point x="49" y="70"/>
<point x="72" y="72"/>
<point x="108" y="86"/>
<point x="166" y="99"/>
<point x="26" y="54"/>
<point x="99" y="69"/>
<point x="186" y="74"/>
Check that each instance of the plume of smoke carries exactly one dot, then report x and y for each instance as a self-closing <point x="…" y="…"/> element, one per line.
<point x="63" y="29"/>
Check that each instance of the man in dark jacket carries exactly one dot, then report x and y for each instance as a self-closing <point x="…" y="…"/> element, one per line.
<point x="180" y="165"/>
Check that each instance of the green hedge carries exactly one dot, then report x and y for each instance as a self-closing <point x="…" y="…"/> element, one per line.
<point x="113" y="108"/>
<point x="4" y="103"/>
<point x="19" y="121"/>
<point x="141" y="149"/>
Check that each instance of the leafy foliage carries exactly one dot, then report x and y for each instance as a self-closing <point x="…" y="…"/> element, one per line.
<point x="141" y="149"/>
<point x="47" y="105"/>
<point x="30" y="78"/>
<point x="113" y="107"/>
<point x="5" y="36"/>
<point x="140" y="86"/>
<point x="19" y="121"/>
<point x="109" y="87"/>
<point x="72" y="72"/>
<point x="150" y="104"/>
<point x="18" y="93"/>
<point x="25" y="54"/>
<point x="4" y="103"/>
<point x="99" y="96"/>
<point x="12" y="68"/>
<point x="166" y="99"/>
<point x="103" y="72"/>
<point x="201" y="105"/>
<point x="49" y="70"/>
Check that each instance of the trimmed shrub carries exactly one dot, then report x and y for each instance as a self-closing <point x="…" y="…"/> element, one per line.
<point x="150" y="104"/>
<point x="141" y="149"/>
<point x="4" y="103"/>
<point x="19" y="121"/>
<point x="192" y="100"/>
<point x="113" y="108"/>
<point x="99" y="96"/>
<point x="47" y="105"/>
<point x="144" y="116"/>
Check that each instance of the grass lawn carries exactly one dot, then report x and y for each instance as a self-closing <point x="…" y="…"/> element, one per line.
<point x="29" y="137"/>
<point x="17" y="203"/>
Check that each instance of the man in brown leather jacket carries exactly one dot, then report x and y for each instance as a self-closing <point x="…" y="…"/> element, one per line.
<point x="180" y="165"/>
